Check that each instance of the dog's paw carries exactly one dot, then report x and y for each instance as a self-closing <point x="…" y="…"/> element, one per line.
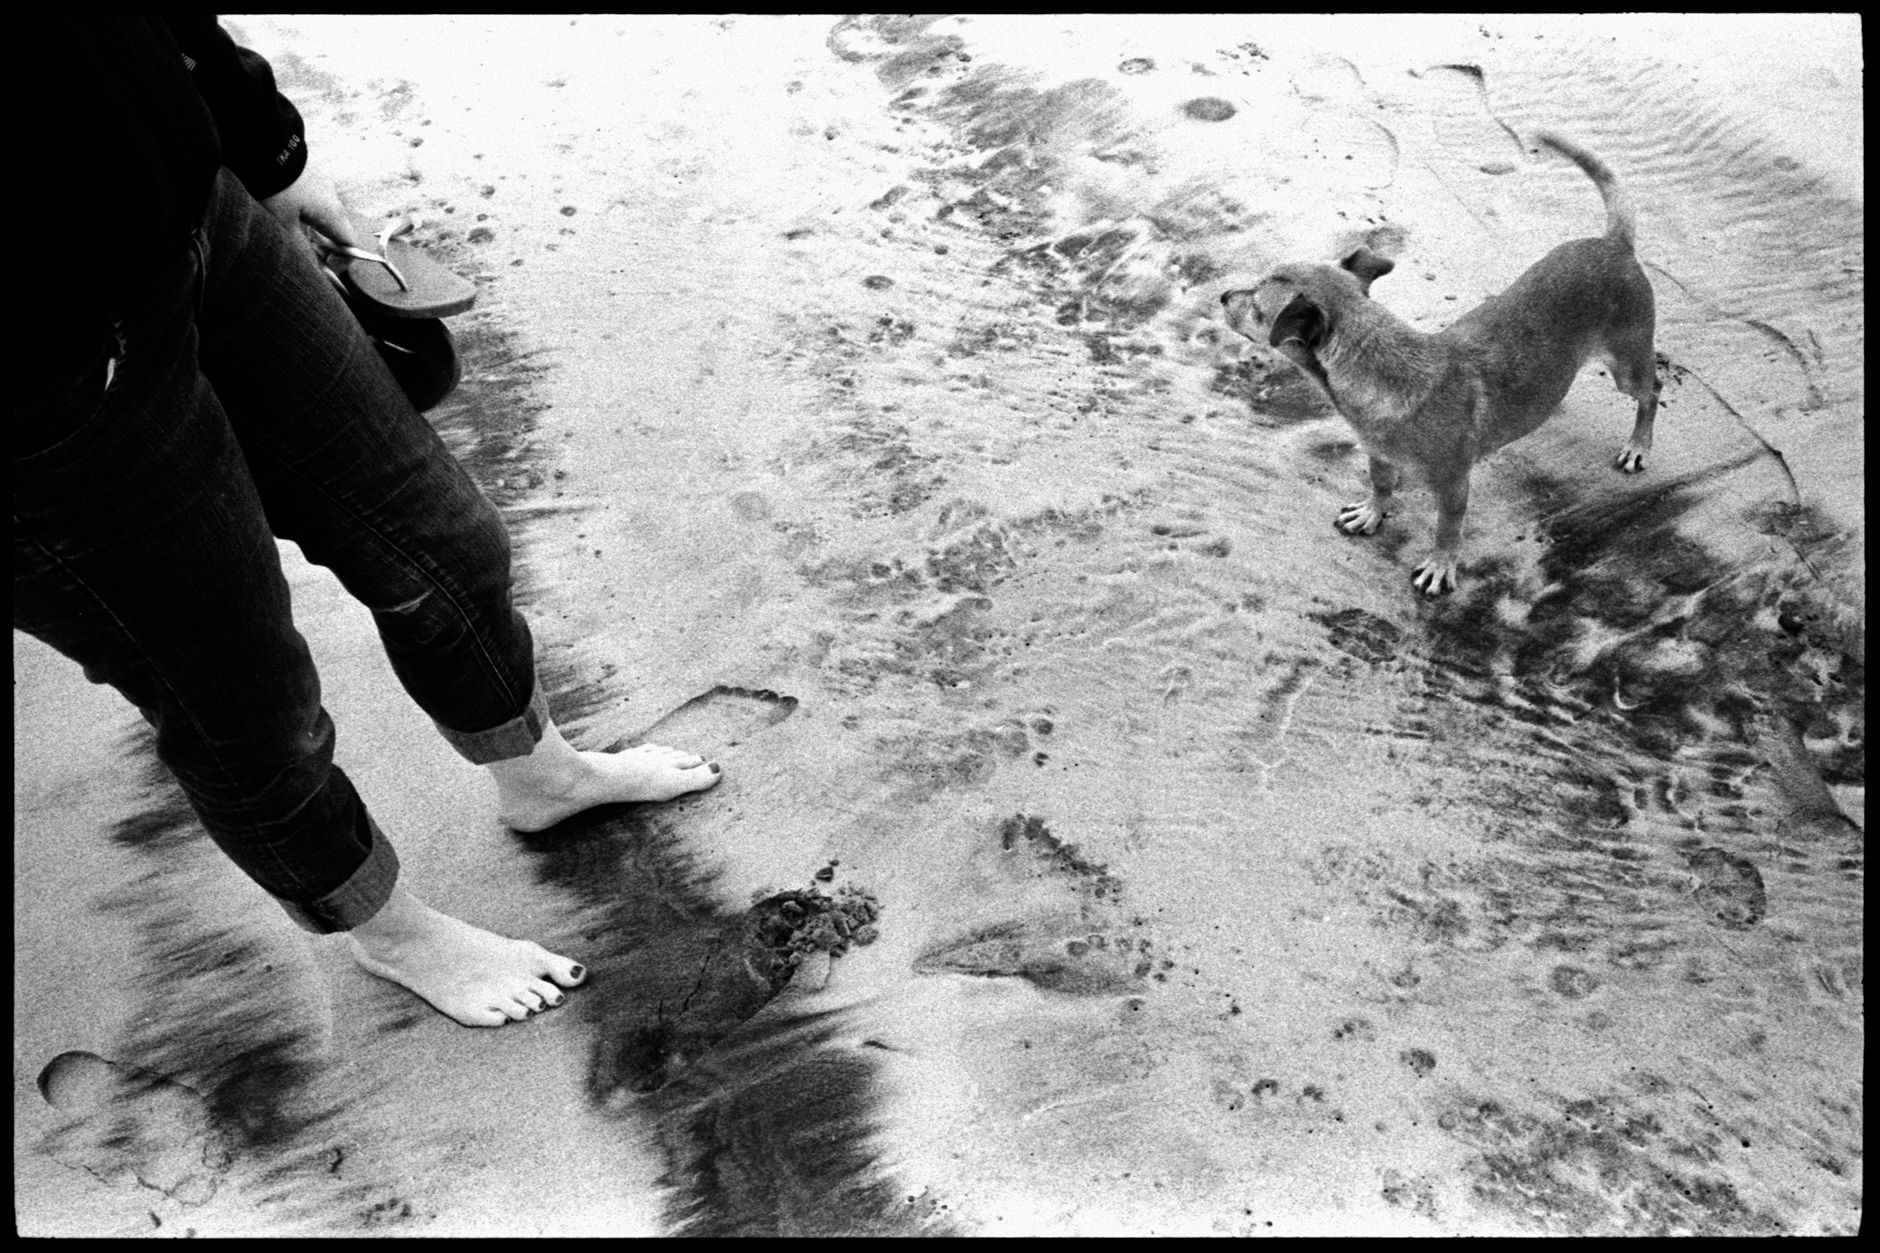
<point x="1436" y="576"/>
<point x="1630" y="460"/>
<point x="1361" y="518"/>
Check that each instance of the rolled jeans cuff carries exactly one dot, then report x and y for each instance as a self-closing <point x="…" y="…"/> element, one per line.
<point x="515" y="738"/>
<point x="356" y="900"/>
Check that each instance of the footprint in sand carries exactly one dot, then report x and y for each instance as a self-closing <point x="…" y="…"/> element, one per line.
<point x="716" y="720"/>
<point x="132" y="1127"/>
<point x="1053" y="955"/>
<point x="1729" y="888"/>
<point x="1363" y="635"/>
<point x="1056" y="950"/>
<point x="1468" y="131"/>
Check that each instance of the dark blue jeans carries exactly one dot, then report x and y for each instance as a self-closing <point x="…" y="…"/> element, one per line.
<point x="237" y="401"/>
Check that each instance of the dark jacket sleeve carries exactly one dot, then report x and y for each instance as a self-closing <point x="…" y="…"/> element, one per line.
<point x="126" y="118"/>
<point x="263" y="140"/>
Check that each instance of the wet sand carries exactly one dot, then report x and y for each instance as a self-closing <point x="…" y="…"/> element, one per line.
<point x="1106" y="844"/>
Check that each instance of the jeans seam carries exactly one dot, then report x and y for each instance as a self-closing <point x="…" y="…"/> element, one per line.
<point x="199" y="243"/>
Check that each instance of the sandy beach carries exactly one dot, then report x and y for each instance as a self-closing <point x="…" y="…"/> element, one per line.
<point x="1106" y="844"/>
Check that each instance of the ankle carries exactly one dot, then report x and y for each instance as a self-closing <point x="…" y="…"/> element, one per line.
<point x="552" y="768"/>
<point x="536" y="777"/>
<point x="399" y="915"/>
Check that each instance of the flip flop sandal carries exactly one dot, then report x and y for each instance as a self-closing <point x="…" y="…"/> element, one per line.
<point x="400" y="279"/>
<point x="420" y="352"/>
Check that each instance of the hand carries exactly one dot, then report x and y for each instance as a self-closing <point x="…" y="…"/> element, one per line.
<point x="313" y="200"/>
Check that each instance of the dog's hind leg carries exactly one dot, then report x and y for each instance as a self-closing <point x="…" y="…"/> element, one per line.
<point x="1635" y="370"/>
<point x="1363" y="517"/>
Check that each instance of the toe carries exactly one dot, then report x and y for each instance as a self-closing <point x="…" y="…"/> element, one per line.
<point x="547" y="993"/>
<point x="565" y="972"/>
<point x="514" y="1010"/>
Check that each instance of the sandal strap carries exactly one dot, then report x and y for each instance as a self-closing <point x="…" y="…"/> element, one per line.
<point x="360" y="254"/>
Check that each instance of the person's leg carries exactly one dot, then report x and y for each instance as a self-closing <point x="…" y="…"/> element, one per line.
<point x="140" y="551"/>
<point x="356" y="477"/>
<point x="351" y="473"/>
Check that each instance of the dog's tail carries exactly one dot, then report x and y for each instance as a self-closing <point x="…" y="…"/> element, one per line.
<point x="1618" y="204"/>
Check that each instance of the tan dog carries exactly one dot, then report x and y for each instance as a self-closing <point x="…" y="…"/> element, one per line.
<point x="1439" y="403"/>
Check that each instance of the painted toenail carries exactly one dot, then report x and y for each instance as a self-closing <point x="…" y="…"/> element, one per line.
<point x="714" y="766"/>
<point x="577" y="972"/>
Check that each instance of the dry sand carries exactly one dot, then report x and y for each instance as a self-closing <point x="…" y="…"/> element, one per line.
<point x="858" y="397"/>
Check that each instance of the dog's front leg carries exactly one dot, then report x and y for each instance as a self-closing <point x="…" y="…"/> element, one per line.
<point x="1363" y="517"/>
<point x="1438" y="574"/>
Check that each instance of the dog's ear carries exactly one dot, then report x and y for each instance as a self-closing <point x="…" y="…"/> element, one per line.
<point x="1367" y="266"/>
<point x="1300" y="320"/>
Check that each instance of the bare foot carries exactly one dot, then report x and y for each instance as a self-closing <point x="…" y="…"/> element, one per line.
<point x="474" y="976"/>
<point x="531" y="799"/>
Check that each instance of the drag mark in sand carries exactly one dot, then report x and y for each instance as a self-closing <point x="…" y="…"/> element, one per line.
<point x="771" y="1135"/>
<point x="736" y="970"/>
